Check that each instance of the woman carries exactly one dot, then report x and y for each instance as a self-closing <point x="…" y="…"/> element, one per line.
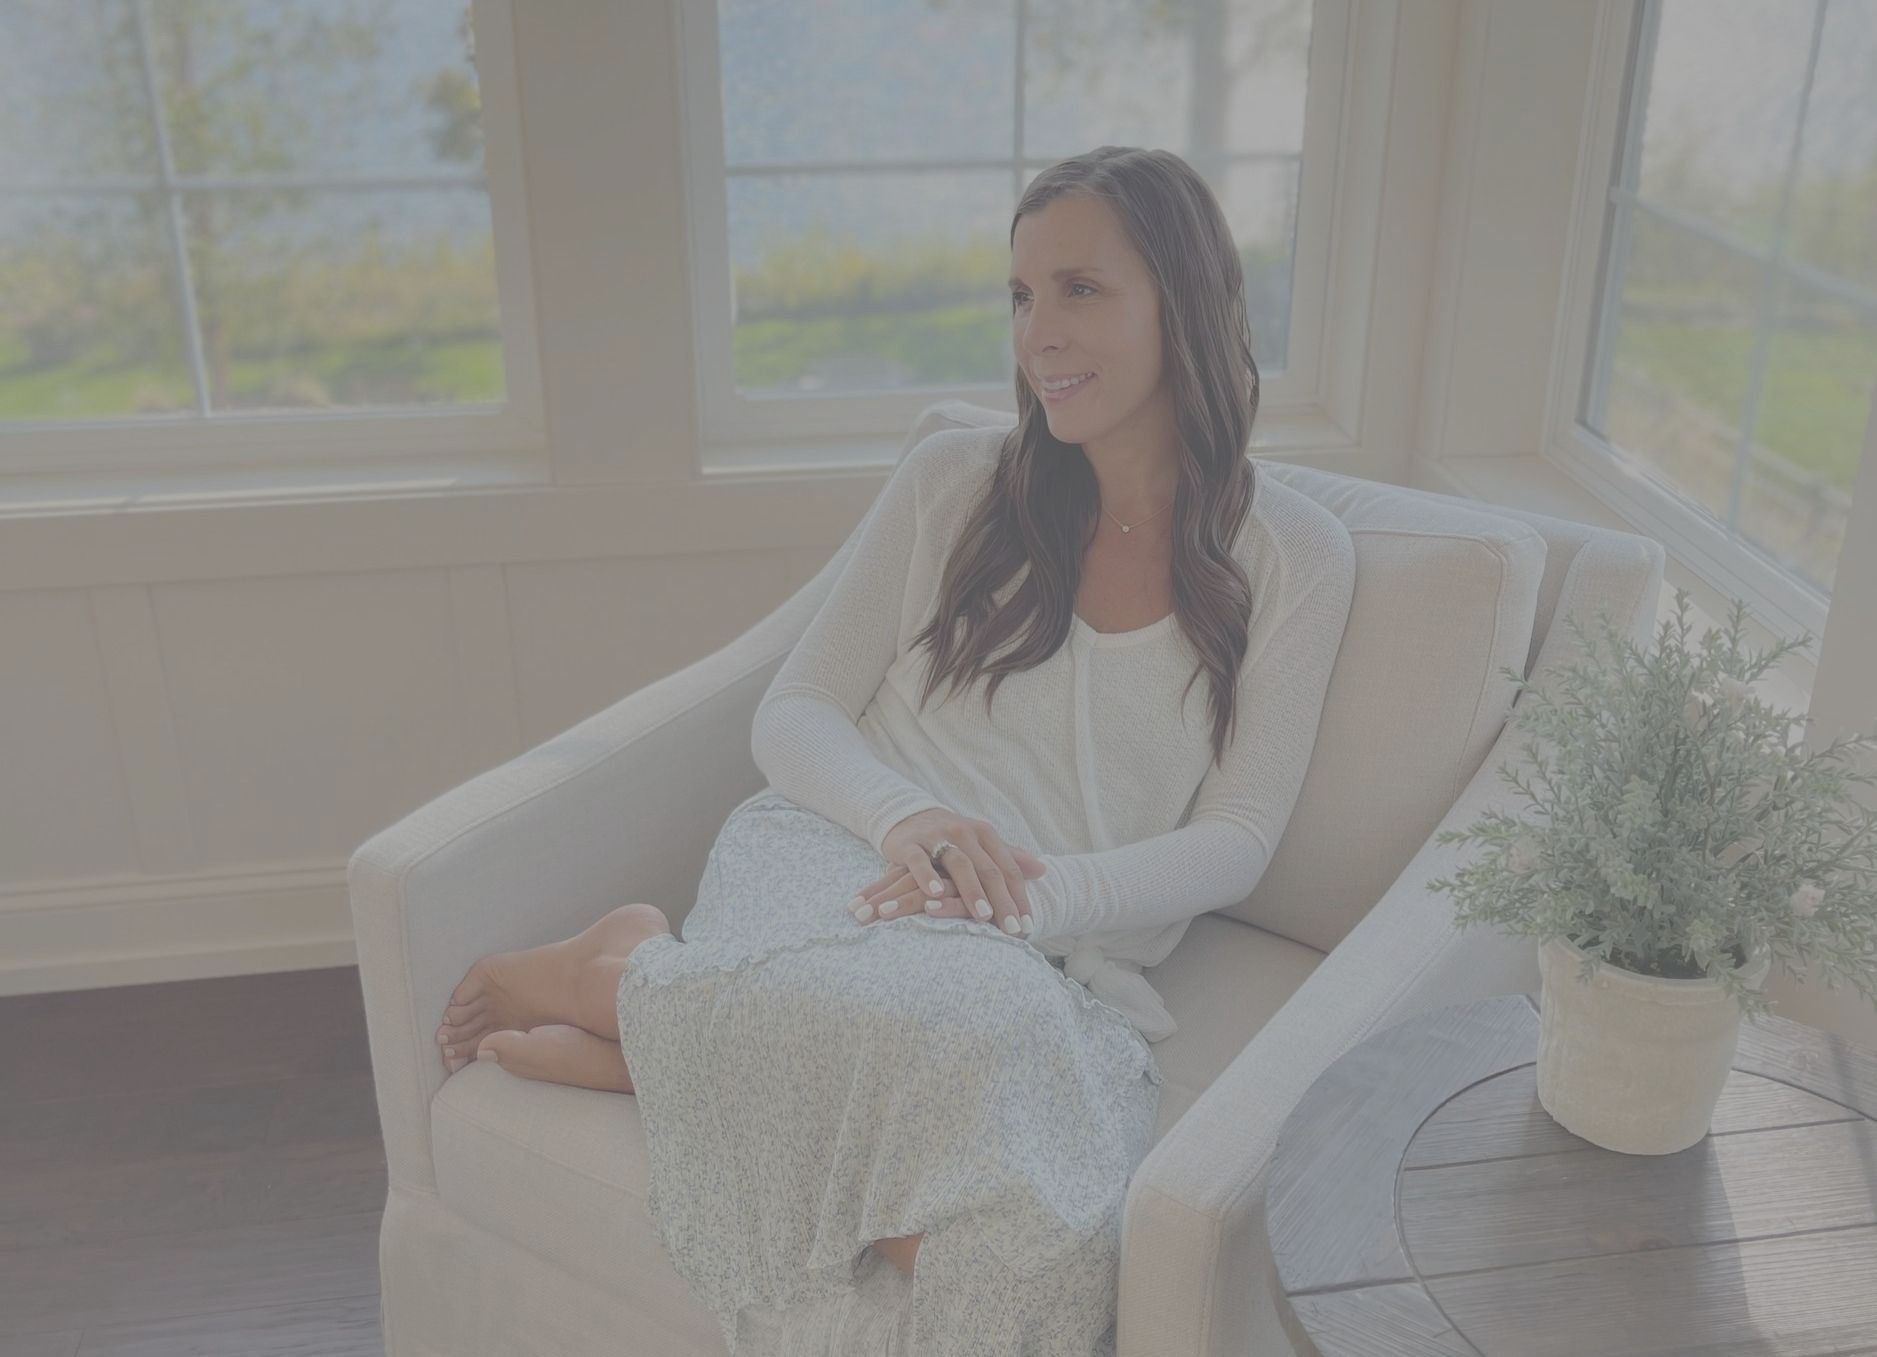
<point x="897" y="1111"/>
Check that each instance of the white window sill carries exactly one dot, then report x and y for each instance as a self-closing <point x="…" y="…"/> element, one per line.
<point x="1276" y="433"/>
<point x="1529" y="483"/>
<point x="52" y="494"/>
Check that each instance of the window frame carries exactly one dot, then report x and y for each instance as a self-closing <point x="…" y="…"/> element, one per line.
<point x="1309" y="404"/>
<point x="1623" y="43"/>
<point x="509" y="434"/>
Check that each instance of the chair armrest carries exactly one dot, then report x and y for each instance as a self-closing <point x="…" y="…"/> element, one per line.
<point x="623" y="806"/>
<point x="1197" y="1276"/>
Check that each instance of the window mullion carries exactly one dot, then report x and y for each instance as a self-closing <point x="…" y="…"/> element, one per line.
<point x="1021" y="15"/>
<point x="1629" y="163"/>
<point x="172" y="209"/>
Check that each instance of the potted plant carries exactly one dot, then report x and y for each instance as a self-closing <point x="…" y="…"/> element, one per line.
<point x="1681" y="844"/>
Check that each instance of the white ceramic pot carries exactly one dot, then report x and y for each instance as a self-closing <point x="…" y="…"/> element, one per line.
<point x="1633" y="1063"/>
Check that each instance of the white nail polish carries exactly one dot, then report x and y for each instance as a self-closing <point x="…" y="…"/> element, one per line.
<point x="1010" y="924"/>
<point x="1028" y="925"/>
<point x="983" y="908"/>
<point x="934" y="906"/>
<point x="936" y="887"/>
<point x="863" y="912"/>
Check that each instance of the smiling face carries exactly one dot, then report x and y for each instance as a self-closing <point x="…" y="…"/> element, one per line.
<point x="1083" y="301"/>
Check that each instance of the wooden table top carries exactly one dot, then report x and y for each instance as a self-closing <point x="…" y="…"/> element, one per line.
<point x="1420" y="1200"/>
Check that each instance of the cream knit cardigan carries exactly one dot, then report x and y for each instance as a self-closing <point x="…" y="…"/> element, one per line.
<point x="1092" y="761"/>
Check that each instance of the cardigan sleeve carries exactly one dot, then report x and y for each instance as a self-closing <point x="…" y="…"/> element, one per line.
<point x="805" y="736"/>
<point x="1244" y="801"/>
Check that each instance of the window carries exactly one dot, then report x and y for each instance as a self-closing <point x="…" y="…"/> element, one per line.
<point x="1734" y="350"/>
<point x="218" y="211"/>
<point x="855" y="165"/>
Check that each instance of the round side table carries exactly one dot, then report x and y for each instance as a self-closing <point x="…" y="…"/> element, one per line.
<point x="1421" y="1201"/>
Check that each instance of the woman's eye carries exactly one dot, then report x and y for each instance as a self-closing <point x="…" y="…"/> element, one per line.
<point x="1017" y="297"/>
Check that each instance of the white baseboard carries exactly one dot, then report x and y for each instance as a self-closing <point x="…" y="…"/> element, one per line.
<point x="91" y="934"/>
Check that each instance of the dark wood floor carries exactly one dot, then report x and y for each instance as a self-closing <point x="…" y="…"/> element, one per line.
<point x="193" y="1167"/>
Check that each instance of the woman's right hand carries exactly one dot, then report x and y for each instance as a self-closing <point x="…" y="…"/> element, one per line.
<point x="989" y="874"/>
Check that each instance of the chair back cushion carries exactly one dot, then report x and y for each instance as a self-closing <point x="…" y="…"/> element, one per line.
<point x="1445" y="598"/>
<point x="1446" y="593"/>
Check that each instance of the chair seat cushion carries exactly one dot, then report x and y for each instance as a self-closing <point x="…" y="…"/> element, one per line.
<point x="1221" y="983"/>
<point x="562" y="1171"/>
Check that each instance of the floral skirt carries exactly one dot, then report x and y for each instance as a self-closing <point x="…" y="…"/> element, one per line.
<point x="808" y="1084"/>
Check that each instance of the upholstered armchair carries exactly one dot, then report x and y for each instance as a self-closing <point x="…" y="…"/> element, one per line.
<point x="516" y="1221"/>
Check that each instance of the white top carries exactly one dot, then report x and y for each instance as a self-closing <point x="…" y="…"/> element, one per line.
<point x="1089" y="761"/>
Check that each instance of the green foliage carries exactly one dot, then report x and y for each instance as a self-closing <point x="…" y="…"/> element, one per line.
<point x="291" y="311"/>
<point x="1816" y="400"/>
<point x="1678" y="831"/>
<point x="935" y="309"/>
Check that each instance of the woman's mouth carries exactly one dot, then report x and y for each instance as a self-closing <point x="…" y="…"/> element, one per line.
<point x="1059" y="396"/>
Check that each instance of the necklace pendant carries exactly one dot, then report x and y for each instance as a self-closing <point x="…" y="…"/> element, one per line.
<point x="1124" y="527"/>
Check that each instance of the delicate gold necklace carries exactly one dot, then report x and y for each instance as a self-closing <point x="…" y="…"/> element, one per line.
<point x="1129" y="527"/>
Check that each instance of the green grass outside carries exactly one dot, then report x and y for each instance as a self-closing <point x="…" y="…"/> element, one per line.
<point x="941" y="345"/>
<point x="381" y="371"/>
<point x="1813" y="406"/>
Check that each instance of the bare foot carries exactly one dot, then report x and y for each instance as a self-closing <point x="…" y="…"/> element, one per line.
<point x="574" y="981"/>
<point x="561" y="1055"/>
<point x="899" y="1250"/>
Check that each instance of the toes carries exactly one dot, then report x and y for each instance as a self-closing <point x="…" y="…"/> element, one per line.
<point x="460" y="1048"/>
<point x="505" y="1046"/>
<point x="463" y="1049"/>
<point x="469" y="988"/>
<point x="462" y="1036"/>
<point x="459" y="1018"/>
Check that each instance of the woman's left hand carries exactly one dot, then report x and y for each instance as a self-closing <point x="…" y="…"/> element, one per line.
<point x="896" y="894"/>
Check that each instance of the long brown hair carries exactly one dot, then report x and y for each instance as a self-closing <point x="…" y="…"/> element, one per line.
<point x="1043" y="503"/>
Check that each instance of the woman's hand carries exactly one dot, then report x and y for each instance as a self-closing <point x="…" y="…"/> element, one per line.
<point x="981" y="869"/>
